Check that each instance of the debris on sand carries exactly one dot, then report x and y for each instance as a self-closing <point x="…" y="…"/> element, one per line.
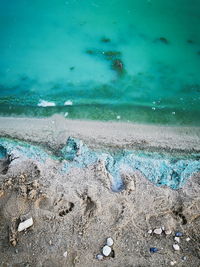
<point x="24" y="225"/>
<point x="158" y="231"/>
<point x="176" y="247"/>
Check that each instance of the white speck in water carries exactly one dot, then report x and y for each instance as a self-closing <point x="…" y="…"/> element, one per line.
<point x="118" y="117"/>
<point x="173" y="113"/>
<point x="153" y="108"/>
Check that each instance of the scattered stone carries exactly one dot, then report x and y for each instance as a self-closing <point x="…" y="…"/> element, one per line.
<point x="106" y="251"/>
<point x="109" y="241"/>
<point x="176" y="247"/>
<point x="184" y="258"/>
<point x="187" y="239"/>
<point x="26" y="224"/>
<point x="177" y="239"/>
<point x="150" y="232"/>
<point x="65" y="254"/>
<point x="99" y="257"/>
<point x="168" y="232"/>
<point x="158" y="231"/>
<point x="153" y="250"/>
<point x="179" y="234"/>
<point x="172" y="263"/>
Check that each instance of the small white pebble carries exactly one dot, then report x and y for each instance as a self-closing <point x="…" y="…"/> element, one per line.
<point x="99" y="257"/>
<point x="150" y="232"/>
<point x="187" y="239"/>
<point x="172" y="263"/>
<point x="176" y="247"/>
<point x="177" y="239"/>
<point x="65" y="254"/>
<point x="106" y="251"/>
<point x="168" y="232"/>
<point x="109" y="241"/>
<point x="26" y="224"/>
<point x="158" y="231"/>
<point x="118" y="117"/>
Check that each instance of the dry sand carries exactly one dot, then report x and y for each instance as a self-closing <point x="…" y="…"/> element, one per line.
<point x="77" y="211"/>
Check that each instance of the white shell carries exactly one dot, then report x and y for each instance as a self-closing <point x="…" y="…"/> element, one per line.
<point x="150" y="232"/>
<point x="158" y="231"/>
<point x="109" y="241"/>
<point x="24" y="225"/>
<point x="106" y="251"/>
<point x="187" y="239"/>
<point x="176" y="247"/>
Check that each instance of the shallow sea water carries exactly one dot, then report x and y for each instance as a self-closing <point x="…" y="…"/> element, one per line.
<point x="131" y="60"/>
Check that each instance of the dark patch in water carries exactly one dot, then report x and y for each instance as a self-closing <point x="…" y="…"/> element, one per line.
<point x="105" y="40"/>
<point x="162" y="40"/>
<point x="118" y="66"/>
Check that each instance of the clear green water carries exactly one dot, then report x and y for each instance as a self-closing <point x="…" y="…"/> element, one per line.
<point x="134" y="60"/>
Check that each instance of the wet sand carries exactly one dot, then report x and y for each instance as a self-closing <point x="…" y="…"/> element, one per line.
<point x="73" y="213"/>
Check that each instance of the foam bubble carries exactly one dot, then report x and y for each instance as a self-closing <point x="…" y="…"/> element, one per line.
<point x="44" y="103"/>
<point x="68" y="103"/>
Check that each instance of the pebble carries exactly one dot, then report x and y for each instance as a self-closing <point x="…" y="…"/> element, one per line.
<point x="109" y="241"/>
<point x="187" y="239"/>
<point x="26" y="224"/>
<point x="106" y="251"/>
<point x="158" y="231"/>
<point x="172" y="263"/>
<point x="176" y="247"/>
<point x="168" y="232"/>
<point x="150" y="232"/>
<point x="178" y="234"/>
<point x="177" y="239"/>
<point x="153" y="250"/>
<point x="65" y="254"/>
<point x="184" y="258"/>
<point x="99" y="257"/>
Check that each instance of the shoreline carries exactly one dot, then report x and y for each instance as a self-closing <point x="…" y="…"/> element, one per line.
<point x="54" y="131"/>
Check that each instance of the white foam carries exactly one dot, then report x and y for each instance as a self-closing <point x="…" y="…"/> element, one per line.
<point x="68" y="103"/>
<point x="44" y="103"/>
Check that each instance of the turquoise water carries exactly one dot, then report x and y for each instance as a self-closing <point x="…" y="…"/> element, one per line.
<point x="160" y="169"/>
<point x="135" y="60"/>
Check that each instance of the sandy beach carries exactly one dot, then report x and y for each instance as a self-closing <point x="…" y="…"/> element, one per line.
<point x="75" y="212"/>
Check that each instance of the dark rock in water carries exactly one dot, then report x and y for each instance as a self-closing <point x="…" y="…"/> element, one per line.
<point x="90" y="52"/>
<point x="105" y="40"/>
<point x="118" y="66"/>
<point x="162" y="40"/>
<point x="198" y="53"/>
<point x="72" y="68"/>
